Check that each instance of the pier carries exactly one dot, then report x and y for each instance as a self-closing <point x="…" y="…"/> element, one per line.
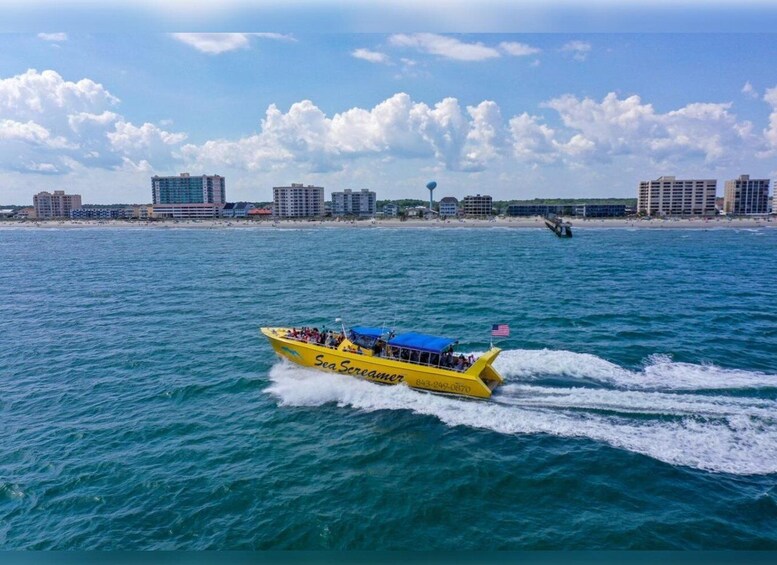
<point x="558" y="226"/>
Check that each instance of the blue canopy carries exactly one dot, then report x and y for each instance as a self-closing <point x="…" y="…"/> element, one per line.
<point x="422" y="342"/>
<point x="368" y="332"/>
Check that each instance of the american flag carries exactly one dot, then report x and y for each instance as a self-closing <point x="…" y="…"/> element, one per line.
<point x="500" y="330"/>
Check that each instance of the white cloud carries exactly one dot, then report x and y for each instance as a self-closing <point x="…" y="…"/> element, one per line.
<point x="47" y="119"/>
<point x="579" y="50"/>
<point x="371" y="56"/>
<point x="214" y="43"/>
<point x="532" y="141"/>
<point x="30" y="133"/>
<point x="478" y="137"/>
<point x="276" y="36"/>
<point x="33" y="94"/>
<point x="444" y="46"/>
<point x="770" y="133"/>
<point x="395" y="128"/>
<point x="518" y="49"/>
<point x="617" y="126"/>
<point x="145" y="142"/>
<point x="53" y="36"/>
<point x="748" y="90"/>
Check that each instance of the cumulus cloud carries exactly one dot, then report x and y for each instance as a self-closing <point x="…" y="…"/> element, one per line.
<point x="33" y="94"/>
<point x="518" y="49"/>
<point x="53" y="36"/>
<point x="49" y="124"/>
<point x="770" y="133"/>
<point x="627" y="126"/>
<point x="214" y="43"/>
<point x="396" y="128"/>
<point x="371" y="56"/>
<point x="473" y="138"/>
<point x="444" y="46"/>
<point x="577" y="49"/>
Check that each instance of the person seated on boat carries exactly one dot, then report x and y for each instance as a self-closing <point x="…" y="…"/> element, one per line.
<point x="377" y="347"/>
<point x="434" y="359"/>
<point x="460" y="363"/>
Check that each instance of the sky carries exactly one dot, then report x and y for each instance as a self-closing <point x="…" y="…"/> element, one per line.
<point x="561" y="107"/>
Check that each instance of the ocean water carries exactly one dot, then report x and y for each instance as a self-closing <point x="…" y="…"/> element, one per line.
<point x="141" y="408"/>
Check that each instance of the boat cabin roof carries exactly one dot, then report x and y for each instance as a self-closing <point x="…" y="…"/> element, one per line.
<point x="422" y="342"/>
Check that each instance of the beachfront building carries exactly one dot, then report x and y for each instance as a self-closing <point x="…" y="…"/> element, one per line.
<point x="350" y="203"/>
<point x="56" y="205"/>
<point x="536" y="209"/>
<point x="260" y="213"/>
<point x="746" y="196"/>
<point x="668" y="196"/>
<point x="449" y="206"/>
<point x="186" y="189"/>
<point x="101" y="213"/>
<point x="390" y="210"/>
<point x="421" y="212"/>
<point x="199" y="211"/>
<point x="298" y="201"/>
<point x="600" y="211"/>
<point x="477" y="205"/>
<point x="200" y="196"/>
<point x="236" y="209"/>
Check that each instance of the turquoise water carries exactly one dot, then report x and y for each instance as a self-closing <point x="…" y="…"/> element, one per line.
<point x="142" y="410"/>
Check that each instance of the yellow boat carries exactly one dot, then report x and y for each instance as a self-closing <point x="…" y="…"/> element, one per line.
<point x="420" y="361"/>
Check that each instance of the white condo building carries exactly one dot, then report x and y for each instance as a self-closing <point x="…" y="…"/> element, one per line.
<point x="668" y="196"/>
<point x="298" y="201"/>
<point x="746" y="196"/>
<point x="350" y="203"/>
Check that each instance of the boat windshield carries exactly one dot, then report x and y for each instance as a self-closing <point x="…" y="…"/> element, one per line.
<point x="366" y="336"/>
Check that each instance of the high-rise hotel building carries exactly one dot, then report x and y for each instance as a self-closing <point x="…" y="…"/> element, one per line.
<point x="298" y="201"/>
<point x="350" y="203"/>
<point x="56" y="205"/>
<point x="667" y="196"/>
<point x="746" y="196"/>
<point x="186" y="196"/>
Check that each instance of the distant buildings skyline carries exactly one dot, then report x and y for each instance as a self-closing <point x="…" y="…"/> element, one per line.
<point x="204" y="196"/>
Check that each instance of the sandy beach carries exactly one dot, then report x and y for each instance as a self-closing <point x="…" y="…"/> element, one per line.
<point x="532" y="222"/>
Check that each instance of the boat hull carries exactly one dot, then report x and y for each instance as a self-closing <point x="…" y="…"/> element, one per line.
<point x="478" y="381"/>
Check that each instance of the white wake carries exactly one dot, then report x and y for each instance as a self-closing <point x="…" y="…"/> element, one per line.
<point x="677" y="413"/>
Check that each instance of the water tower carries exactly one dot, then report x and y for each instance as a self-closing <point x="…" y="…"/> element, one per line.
<point x="431" y="185"/>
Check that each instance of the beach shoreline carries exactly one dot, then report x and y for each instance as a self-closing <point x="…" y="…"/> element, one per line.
<point x="394" y="223"/>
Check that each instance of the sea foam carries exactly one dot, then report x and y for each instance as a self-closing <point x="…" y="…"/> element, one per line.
<point x="707" y="431"/>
